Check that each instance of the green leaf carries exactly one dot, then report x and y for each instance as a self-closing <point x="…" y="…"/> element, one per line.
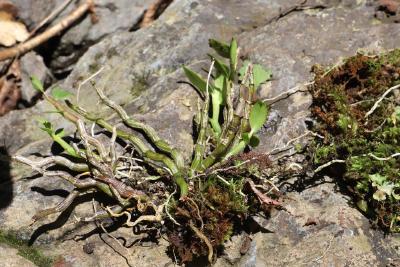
<point x="37" y="84"/>
<point x="362" y="205"/>
<point x="217" y="100"/>
<point x="260" y="75"/>
<point x="60" y="132"/>
<point x="377" y="179"/>
<point x="250" y="139"/>
<point x="220" y="66"/>
<point x="246" y="137"/>
<point x="57" y="137"/>
<point x="362" y="186"/>
<point x="395" y="196"/>
<point x="258" y="116"/>
<point x="242" y="70"/>
<point x="47" y="127"/>
<point x="196" y="80"/>
<point x="222" y="49"/>
<point x="236" y="149"/>
<point x="219" y="83"/>
<point x="254" y="141"/>
<point x="387" y="188"/>
<point x="60" y="94"/>
<point x="233" y="56"/>
<point x="395" y="117"/>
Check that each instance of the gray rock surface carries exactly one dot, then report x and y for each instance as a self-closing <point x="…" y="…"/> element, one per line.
<point x="318" y="228"/>
<point x="9" y="257"/>
<point x="32" y="65"/>
<point x="113" y="16"/>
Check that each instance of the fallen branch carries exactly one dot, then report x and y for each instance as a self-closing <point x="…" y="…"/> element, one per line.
<point x="50" y="17"/>
<point x="43" y="37"/>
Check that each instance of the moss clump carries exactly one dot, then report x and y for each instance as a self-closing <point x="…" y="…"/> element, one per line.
<point x="219" y="208"/>
<point x="28" y="252"/>
<point x="367" y="141"/>
<point x="140" y="83"/>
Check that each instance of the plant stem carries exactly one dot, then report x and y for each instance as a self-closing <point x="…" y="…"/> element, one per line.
<point x="141" y="147"/>
<point x="201" y="140"/>
<point x="159" y="143"/>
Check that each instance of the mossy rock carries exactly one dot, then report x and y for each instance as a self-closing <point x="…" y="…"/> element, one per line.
<point x="357" y="109"/>
<point x="30" y="253"/>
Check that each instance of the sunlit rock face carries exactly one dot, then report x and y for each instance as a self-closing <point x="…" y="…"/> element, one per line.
<point x="318" y="226"/>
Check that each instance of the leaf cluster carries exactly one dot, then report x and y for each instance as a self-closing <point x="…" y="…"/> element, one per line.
<point x="249" y="115"/>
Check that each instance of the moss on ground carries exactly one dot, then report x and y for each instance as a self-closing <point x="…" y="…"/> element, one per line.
<point x="365" y="138"/>
<point x="28" y="252"/>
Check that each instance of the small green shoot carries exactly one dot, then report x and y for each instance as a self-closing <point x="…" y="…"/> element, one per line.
<point x="57" y="136"/>
<point x="37" y="84"/>
<point x="60" y="94"/>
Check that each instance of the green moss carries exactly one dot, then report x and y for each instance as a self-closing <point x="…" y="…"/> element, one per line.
<point x="341" y="101"/>
<point x="140" y="83"/>
<point x="94" y="67"/>
<point x="98" y="56"/>
<point x="373" y="66"/>
<point x="225" y="196"/>
<point x="112" y="52"/>
<point x="28" y="252"/>
<point x="322" y="152"/>
<point x="392" y="57"/>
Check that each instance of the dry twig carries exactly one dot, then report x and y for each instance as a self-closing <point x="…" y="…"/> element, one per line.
<point x="376" y="104"/>
<point x="291" y="91"/>
<point x="50" y="17"/>
<point x="205" y="239"/>
<point x="323" y="166"/>
<point x="51" y="32"/>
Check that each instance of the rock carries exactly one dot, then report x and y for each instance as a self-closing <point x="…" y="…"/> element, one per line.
<point x="113" y="16"/>
<point x="338" y="236"/>
<point x="32" y="65"/>
<point x="9" y="257"/>
<point x="319" y="226"/>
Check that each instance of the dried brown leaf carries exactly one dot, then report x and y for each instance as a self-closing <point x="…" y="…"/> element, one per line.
<point x="11" y="31"/>
<point x="261" y="197"/>
<point x="9" y="88"/>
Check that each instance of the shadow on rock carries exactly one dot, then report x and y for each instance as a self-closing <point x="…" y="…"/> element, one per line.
<point x="63" y="217"/>
<point x="6" y="184"/>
